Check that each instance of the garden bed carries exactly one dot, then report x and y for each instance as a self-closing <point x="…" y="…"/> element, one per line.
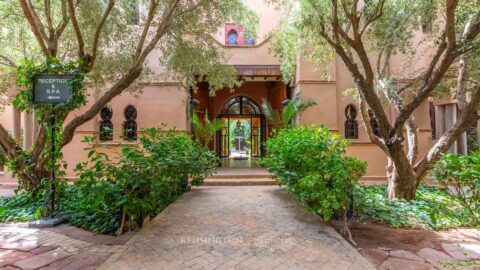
<point x="432" y="208"/>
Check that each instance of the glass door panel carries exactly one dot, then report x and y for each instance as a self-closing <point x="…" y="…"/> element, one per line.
<point x="240" y="138"/>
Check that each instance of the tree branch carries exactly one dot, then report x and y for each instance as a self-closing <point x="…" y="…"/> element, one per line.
<point x="412" y="141"/>
<point x="114" y="91"/>
<point x="8" y="62"/>
<point x="434" y="76"/>
<point x="151" y="14"/>
<point x="450" y="23"/>
<point x="377" y="15"/>
<point x="59" y="30"/>
<point x="48" y="16"/>
<point x="37" y="20"/>
<point x="125" y="81"/>
<point x="460" y="93"/>
<point x="160" y="31"/>
<point x="76" y="28"/>
<point x="366" y="121"/>
<point x="466" y="119"/>
<point x="96" y="38"/>
<point x="35" y="27"/>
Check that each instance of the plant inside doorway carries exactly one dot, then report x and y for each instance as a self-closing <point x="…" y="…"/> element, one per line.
<point x="203" y="129"/>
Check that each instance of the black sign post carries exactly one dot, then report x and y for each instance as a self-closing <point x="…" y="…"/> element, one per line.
<point x="52" y="89"/>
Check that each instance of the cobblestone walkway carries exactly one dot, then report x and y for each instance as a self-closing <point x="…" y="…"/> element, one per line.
<point x="61" y="248"/>
<point x="237" y="228"/>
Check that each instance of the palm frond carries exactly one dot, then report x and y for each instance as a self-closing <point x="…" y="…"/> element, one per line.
<point x="294" y="108"/>
<point x="206" y="129"/>
<point x="271" y="114"/>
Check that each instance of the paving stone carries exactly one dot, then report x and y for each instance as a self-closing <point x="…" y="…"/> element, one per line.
<point x="41" y="260"/>
<point x="460" y="253"/>
<point x="20" y="245"/>
<point x="8" y="257"/>
<point x="237" y="228"/>
<point x="42" y="249"/>
<point x="402" y="264"/>
<point x="375" y="256"/>
<point x="407" y="255"/>
<point x="435" y="257"/>
<point x="472" y="248"/>
<point x="9" y="268"/>
<point x="78" y="261"/>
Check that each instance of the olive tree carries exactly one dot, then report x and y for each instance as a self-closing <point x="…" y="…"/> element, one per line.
<point x="109" y="42"/>
<point x="365" y="35"/>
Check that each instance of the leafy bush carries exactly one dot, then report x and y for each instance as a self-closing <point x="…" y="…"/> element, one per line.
<point x="433" y="208"/>
<point x="462" y="173"/>
<point x="112" y="194"/>
<point x="20" y="208"/>
<point x="312" y="164"/>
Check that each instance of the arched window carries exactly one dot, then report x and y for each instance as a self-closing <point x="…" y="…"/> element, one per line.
<point x="374" y="123"/>
<point x="232" y="37"/>
<point x="240" y="105"/>
<point x="130" y="124"/>
<point x="351" y="126"/>
<point x="106" y="125"/>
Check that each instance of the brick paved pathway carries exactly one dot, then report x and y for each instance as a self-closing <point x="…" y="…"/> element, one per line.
<point x="237" y="228"/>
<point x="61" y="248"/>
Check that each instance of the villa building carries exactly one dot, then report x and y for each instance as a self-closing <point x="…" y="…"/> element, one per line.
<point x="241" y="140"/>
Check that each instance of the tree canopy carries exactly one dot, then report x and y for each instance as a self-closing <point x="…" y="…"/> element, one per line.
<point x="365" y="36"/>
<point x="110" y="42"/>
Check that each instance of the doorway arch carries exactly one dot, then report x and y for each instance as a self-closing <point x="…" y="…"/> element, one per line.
<point x="244" y="129"/>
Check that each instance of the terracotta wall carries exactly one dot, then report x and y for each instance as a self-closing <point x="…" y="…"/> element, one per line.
<point x="156" y="105"/>
<point x="326" y="86"/>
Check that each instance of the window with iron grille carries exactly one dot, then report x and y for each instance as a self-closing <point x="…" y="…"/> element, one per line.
<point x="130" y="124"/>
<point x="351" y="126"/>
<point x="106" y="125"/>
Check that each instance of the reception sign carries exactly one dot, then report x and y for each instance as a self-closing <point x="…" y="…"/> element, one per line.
<point x="52" y="89"/>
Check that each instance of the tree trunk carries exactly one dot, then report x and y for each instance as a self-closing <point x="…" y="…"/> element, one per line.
<point x="401" y="180"/>
<point x="401" y="186"/>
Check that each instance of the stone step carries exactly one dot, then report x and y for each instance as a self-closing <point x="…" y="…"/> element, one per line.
<point x="8" y="185"/>
<point x="240" y="182"/>
<point x="239" y="176"/>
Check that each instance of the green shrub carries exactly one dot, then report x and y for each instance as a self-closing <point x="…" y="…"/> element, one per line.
<point x="19" y="208"/>
<point x="139" y="183"/>
<point x="462" y="173"/>
<point x="312" y="164"/>
<point x="432" y="208"/>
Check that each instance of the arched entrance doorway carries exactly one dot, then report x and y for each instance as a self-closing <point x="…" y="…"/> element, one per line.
<point x="243" y="131"/>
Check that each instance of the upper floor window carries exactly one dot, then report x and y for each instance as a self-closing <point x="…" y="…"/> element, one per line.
<point x="106" y="125"/>
<point x="130" y="124"/>
<point x="351" y="126"/>
<point x="232" y="38"/>
<point x="235" y="36"/>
